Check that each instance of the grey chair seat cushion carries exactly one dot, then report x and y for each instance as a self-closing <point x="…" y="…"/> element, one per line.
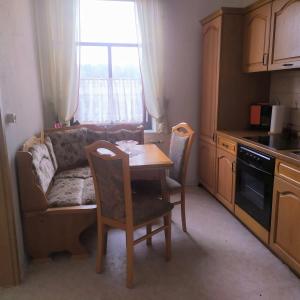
<point x="172" y="185"/>
<point x="146" y="208"/>
<point x="83" y="172"/>
<point x="154" y="186"/>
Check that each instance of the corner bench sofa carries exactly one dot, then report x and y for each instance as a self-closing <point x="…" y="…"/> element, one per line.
<point x="56" y="187"/>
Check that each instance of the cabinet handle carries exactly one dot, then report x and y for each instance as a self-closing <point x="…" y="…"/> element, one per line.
<point x="265" y="59"/>
<point x="288" y="65"/>
<point x="225" y="145"/>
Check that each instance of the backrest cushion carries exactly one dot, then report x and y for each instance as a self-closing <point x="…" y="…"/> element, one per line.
<point x="49" y="146"/>
<point x="178" y="146"/>
<point x="68" y="147"/>
<point x="42" y="164"/>
<point x="110" y="181"/>
<point x="124" y="134"/>
<point x="93" y="136"/>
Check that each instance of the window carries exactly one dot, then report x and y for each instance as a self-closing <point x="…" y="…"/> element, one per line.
<point x="110" y="79"/>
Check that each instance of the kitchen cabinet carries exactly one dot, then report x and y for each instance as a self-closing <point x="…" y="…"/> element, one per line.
<point x="211" y="39"/>
<point x="225" y="185"/>
<point x="285" y="41"/>
<point x="257" y="37"/>
<point x="225" y="90"/>
<point x="207" y="162"/>
<point x="285" y="237"/>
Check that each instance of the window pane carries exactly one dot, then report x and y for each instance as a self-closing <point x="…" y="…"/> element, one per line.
<point x="125" y="62"/>
<point x="107" y="21"/>
<point x="94" y="62"/>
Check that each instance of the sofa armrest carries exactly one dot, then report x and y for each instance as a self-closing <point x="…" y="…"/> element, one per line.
<point x="31" y="195"/>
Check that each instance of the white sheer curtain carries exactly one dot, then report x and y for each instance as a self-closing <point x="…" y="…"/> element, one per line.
<point x="151" y="61"/>
<point x="110" y="101"/>
<point x="58" y="31"/>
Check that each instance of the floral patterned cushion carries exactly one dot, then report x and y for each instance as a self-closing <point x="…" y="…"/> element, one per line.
<point x="124" y="134"/>
<point x="93" y="136"/>
<point x="49" y="145"/>
<point x="66" y="192"/>
<point x="42" y="164"/>
<point x="68" y="147"/>
<point x="88" y="194"/>
<point x="84" y="172"/>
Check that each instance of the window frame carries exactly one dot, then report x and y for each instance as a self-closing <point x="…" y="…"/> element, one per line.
<point x="147" y="120"/>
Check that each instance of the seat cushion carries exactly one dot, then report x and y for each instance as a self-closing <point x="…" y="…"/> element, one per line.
<point x="88" y="194"/>
<point x="42" y="164"/>
<point x="147" y="207"/>
<point x="84" y="173"/>
<point x="66" y="192"/>
<point x="172" y="184"/>
<point x="68" y="147"/>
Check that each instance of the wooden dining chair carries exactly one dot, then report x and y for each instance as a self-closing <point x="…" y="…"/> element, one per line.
<point x="180" y="147"/>
<point x="118" y="207"/>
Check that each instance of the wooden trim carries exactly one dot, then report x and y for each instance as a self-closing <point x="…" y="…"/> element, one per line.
<point x="256" y="5"/>
<point x="9" y="259"/>
<point x="255" y="227"/>
<point x="222" y="11"/>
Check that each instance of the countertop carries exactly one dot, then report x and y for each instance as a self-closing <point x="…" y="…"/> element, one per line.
<point x="237" y="136"/>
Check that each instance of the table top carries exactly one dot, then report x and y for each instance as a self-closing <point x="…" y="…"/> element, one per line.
<point x="148" y="156"/>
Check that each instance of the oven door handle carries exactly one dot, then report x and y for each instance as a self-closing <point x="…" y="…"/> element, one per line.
<point x="253" y="167"/>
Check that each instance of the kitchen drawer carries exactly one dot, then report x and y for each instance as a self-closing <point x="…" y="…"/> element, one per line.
<point x="227" y="145"/>
<point x="288" y="172"/>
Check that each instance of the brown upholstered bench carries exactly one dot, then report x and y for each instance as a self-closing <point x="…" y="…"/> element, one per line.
<point x="56" y="188"/>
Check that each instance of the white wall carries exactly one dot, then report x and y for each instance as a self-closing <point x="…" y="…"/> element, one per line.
<point x="182" y="32"/>
<point x="19" y="83"/>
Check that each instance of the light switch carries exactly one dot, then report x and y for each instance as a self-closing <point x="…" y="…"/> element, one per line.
<point x="11" y="118"/>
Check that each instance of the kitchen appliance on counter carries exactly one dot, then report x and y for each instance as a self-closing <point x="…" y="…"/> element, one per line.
<point x="277" y="141"/>
<point x="254" y="184"/>
<point x="260" y="116"/>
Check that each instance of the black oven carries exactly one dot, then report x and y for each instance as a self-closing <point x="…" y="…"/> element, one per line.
<point x="254" y="184"/>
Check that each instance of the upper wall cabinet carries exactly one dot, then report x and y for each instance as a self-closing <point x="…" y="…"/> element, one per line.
<point x="256" y="39"/>
<point x="285" y="33"/>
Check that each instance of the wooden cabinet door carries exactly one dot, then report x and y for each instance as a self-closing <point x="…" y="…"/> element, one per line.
<point x="207" y="164"/>
<point x="285" y="236"/>
<point x="211" y="36"/>
<point x="225" y="185"/>
<point x="257" y="39"/>
<point x="285" y="33"/>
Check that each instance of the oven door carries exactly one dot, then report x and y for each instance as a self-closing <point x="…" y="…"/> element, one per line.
<point x="254" y="189"/>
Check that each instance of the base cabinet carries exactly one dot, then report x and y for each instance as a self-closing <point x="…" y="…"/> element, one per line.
<point x="207" y="163"/>
<point x="225" y="182"/>
<point x="285" y="237"/>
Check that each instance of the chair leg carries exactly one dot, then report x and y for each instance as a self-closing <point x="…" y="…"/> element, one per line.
<point x="129" y="250"/>
<point x="183" y="219"/>
<point x="100" y="247"/>
<point x="149" y="230"/>
<point x="167" y="222"/>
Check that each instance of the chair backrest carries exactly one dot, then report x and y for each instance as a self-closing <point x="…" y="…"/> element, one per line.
<point x="111" y="175"/>
<point x="180" y="147"/>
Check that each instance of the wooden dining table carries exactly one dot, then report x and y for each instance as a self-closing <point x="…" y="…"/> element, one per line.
<point x="148" y="162"/>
